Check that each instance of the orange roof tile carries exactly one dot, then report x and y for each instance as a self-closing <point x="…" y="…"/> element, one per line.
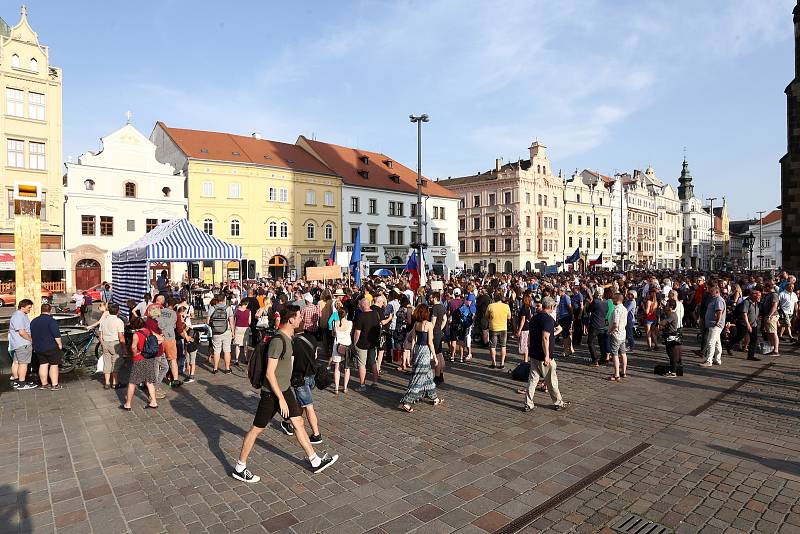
<point x="218" y="146"/>
<point x="349" y="163"/>
<point x="771" y="217"/>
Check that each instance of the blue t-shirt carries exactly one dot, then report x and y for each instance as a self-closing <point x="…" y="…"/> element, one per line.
<point x="542" y="322"/>
<point x="563" y="306"/>
<point x="44" y="331"/>
<point x="19" y="321"/>
<point x="577" y="301"/>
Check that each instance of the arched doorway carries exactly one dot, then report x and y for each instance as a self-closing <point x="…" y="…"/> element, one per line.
<point x="527" y="266"/>
<point x="508" y="268"/>
<point x="306" y="265"/>
<point x="87" y="274"/>
<point x="476" y="268"/>
<point x="492" y="268"/>
<point x="277" y="266"/>
<point x="397" y="260"/>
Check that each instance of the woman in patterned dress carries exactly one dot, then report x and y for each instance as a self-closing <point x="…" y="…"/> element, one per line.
<point x="421" y="384"/>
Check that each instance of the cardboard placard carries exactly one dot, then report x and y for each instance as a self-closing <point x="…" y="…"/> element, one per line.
<point x="437" y="285"/>
<point x="327" y="272"/>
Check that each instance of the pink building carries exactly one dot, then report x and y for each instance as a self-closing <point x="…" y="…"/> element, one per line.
<point x="510" y="218"/>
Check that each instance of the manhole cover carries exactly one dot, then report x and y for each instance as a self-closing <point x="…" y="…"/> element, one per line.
<point x="633" y="524"/>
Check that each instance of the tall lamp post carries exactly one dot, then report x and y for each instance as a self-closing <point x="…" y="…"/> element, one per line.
<point x="711" y="234"/>
<point x="419" y="119"/>
<point x="760" y="239"/>
<point x="748" y="242"/>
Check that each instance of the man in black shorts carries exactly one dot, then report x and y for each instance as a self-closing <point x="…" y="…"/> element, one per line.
<point x="277" y="395"/>
<point x="439" y="318"/>
<point x="46" y="340"/>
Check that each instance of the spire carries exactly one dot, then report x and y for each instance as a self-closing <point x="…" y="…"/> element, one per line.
<point x="24" y="11"/>
<point x="685" y="189"/>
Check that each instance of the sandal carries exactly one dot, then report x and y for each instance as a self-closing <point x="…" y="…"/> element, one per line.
<point x="614" y="378"/>
<point x="122" y="407"/>
<point x="623" y="375"/>
<point x="438" y="402"/>
<point x="406" y="408"/>
<point x="150" y="407"/>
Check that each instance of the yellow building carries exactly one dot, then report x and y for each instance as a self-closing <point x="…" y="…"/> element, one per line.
<point x="275" y="200"/>
<point x="588" y="212"/>
<point x="31" y="127"/>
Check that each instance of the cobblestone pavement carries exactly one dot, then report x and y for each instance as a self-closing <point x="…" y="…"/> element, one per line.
<point x="717" y="461"/>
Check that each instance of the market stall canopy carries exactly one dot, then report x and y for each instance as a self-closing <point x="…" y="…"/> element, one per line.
<point x="177" y="240"/>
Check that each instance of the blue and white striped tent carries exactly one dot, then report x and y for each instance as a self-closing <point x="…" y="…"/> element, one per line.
<point x="176" y="240"/>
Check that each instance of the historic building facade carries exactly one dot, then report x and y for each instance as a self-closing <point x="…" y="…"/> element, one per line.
<point x="696" y="224"/>
<point x="668" y="221"/>
<point x="588" y="214"/>
<point x="112" y="198"/>
<point x="31" y="127"/>
<point x="276" y="200"/>
<point x="379" y="199"/>
<point x="790" y="162"/>
<point x="510" y="218"/>
<point x="768" y="248"/>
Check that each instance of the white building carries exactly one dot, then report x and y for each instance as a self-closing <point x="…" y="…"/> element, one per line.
<point x="620" y="247"/>
<point x="379" y="198"/>
<point x="112" y="198"/>
<point x="768" y="247"/>
<point x="696" y="224"/>
<point x="669" y="221"/>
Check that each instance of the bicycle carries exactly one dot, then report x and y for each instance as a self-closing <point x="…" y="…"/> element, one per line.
<point x="76" y="352"/>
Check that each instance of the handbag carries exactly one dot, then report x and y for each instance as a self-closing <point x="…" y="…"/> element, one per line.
<point x="341" y="350"/>
<point x="322" y="378"/>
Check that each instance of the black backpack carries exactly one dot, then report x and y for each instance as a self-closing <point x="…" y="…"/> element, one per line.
<point x="322" y="379"/>
<point x="219" y="320"/>
<point x="257" y="366"/>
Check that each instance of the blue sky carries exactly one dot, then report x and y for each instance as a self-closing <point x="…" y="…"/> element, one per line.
<point x="609" y="85"/>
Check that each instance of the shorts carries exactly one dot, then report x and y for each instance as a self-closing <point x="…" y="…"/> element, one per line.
<point x="362" y="357"/>
<point x="566" y="323"/>
<point x="786" y="320"/>
<point x="238" y="336"/>
<point x="523" y="342"/>
<point x="498" y="338"/>
<point x="303" y="393"/>
<point x="268" y="406"/>
<point x="191" y="357"/>
<point x="221" y="342"/>
<point x="771" y="326"/>
<point x="170" y="349"/>
<point x="437" y="341"/>
<point x="52" y="357"/>
<point x="22" y="354"/>
<point x="617" y="346"/>
<point x="649" y="322"/>
<point x="111" y="351"/>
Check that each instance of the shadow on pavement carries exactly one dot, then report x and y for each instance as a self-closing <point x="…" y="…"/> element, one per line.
<point x="14" y="515"/>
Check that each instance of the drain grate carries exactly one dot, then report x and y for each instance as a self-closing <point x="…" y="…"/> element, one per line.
<point x="633" y="524"/>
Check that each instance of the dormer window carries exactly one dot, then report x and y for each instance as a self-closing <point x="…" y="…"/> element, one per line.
<point x="389" y="163"/>
<point x="15" y="61"/>
<point x="395" y="178"/>
<point x="364" y="159"/>
<point x="424" y="182"/>
<point x="34" y="65"/>
<point x="363" y="174"/>
<point x="89" y="185"/>
<point x="166" y="191"/>
<point x="204" y="151"/>
<point x="236" y="153"/>
<point x="267" y="156"/>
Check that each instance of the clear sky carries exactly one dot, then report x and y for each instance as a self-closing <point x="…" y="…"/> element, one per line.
<point x="611" y="85"/>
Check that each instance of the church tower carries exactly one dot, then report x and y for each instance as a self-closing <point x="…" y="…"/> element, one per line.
<point x="790" y="163"/>
<point x="686" y="189"/>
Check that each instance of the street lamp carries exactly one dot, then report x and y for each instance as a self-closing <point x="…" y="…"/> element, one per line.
<point x="747" y="242"/>
<point x="419" y="119"/>
<point x="711" y="233"/>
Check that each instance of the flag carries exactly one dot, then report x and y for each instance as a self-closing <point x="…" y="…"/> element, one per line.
<point x="355" y="258"/>
<point x="413" y="268"/>
<point x="575" y="256"/>
<point x="332" y="258"/>
<point x="598" y="261"/>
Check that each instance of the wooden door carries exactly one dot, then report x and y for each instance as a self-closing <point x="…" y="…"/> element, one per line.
<point x="87" y="274"/>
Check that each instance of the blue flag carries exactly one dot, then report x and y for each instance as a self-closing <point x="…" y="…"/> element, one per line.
<point x="575" y="256"/>
<point x="355" y="258"/>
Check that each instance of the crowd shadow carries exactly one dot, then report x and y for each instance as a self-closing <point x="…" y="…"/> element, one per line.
<point x="786" y="466"/>
<point x="14" y="516"/>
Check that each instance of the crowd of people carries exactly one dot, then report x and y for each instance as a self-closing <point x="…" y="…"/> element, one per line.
<point x="355" y="331"/>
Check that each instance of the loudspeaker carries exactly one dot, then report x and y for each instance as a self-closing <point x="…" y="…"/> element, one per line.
<point x="251" y="269"/>
<point x="194" y="270"/>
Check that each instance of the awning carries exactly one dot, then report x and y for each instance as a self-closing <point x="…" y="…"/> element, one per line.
<point x="52" y="260"/>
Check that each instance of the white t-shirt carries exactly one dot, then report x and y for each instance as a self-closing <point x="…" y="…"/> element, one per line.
<point x="141" y="308"/>
<point x="619" y="318"/>
<point x="110" y="328"/>
<point x="410" y="295"/>
<point x="787" y="302"/>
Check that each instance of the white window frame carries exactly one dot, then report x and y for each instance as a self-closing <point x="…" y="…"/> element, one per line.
<point x="15" y="61"/>
<point x="328" y="232"/>
<point x="329" y="198"/>
<point x="236" y="228"/>
<point x="36" y="156"/>
<point x="311" y="231"/>
<point x="208" y="226"/>
<point x="15" y="153"/>
<point x="272" y="230"/>
<point x="208" y="190"/>
<point x="311" y="197"/>
<point x="34" y="65"/>
<point x="15" y="102"/>
<point x="234" y="190"/>
<point x="272" y="195"/>
<point x="284" y="194"/>
<point x="284" y="227"/>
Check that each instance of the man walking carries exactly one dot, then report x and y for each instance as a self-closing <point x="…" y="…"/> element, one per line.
<point x="221" y="322"/>
<point x="499" y="314"/>
<point x="46" y="340"/>
<point x="714" y="323"/>
<point x="541" y="349"/>
<point x="564" y="313"/>
<point x="747" y="324"/>
<point x="770" y="317"/>
<point x="304" y="347"/>
<point x="19" y="345"/>
<point x="277" y="396"/>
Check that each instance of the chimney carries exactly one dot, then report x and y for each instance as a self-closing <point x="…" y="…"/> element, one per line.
<point x="256" y="135"/>
<point x="498" y="162"/>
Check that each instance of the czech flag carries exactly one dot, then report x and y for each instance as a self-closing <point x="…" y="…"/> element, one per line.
<point x="598" y="261"/>
<point x="413" y="267"/>
<point x="332" y="258"/>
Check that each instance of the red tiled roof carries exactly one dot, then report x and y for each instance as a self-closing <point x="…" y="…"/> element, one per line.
<point x="218" y="146"/>
<point x="771" y="217"/>
<point x="348" y="163"/>
<point x="606" y="179"/>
